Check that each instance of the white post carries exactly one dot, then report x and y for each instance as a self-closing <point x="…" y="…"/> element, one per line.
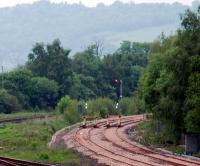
<point x="121" y="88"/>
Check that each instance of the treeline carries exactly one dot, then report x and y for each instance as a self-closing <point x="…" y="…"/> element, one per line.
<point x="50" y="74"/>
<point x="170" y="86"/>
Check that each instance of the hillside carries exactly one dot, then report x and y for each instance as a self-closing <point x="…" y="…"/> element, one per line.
<point x="77" y="26"/>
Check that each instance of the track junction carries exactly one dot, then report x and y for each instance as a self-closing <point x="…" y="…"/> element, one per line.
<point x="111" y="145"/>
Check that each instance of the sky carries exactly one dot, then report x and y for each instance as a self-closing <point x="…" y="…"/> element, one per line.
<point x="90" y="3"/>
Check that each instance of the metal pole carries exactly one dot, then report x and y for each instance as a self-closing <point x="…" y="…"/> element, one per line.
<point x="2" y="86"/>
<point x="121" y="88"/>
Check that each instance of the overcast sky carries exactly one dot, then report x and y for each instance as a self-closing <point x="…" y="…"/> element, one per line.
<point x="90" y="3"/>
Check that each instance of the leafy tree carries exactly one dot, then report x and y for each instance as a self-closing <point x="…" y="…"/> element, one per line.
<point x="126" y="64"/>
<point x="170" y="83"/>
<point x="51" y="61"/>
<point x="82" y="87"/>
<point x="16" y="83"/>
<point x="86" y="62"/>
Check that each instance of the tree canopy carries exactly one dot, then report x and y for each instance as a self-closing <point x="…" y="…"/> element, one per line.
<point x="170" y="84"/>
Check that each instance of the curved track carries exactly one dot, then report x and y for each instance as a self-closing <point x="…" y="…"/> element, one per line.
<point x="112" y="146"/>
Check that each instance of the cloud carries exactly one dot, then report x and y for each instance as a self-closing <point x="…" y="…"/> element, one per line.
<point x="91" y="3"/>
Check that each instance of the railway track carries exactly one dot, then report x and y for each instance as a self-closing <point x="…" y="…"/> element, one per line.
<point x="112" y="146"/>
<point x="100" y="150"/>
<point x="4" y="161"/>
<point x="162" y="159"/>
<point x="164" y="156"/>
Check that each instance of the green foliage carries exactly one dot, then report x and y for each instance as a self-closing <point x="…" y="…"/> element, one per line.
<point x="170" y="84"/>
<point x="71" y="114"/>
<point x="30" y="91"/>
<point x="130" y="106"/>
<point x="87" y="74"/>
<point x="126" y="64"/>
<point x="22" y="114"/>
<point x="150" y="135"/>
<point x="16" y="82"/>
<point x="69" y="108"/>
<point x="63" y="104"/>
<point x="8" y="102"/>
<point x="82" y="87"/>
<point x="29" y="141"/>
<point x="180" y="149"/>
<point x="192" y="121"/>
<point x="101" y="107"/>
<point x="51" y="61"/>
<point x="42" y="92"/>
<point x="192" y="103"/>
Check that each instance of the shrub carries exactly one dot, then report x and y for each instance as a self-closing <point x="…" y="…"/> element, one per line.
<point x="44" y="156"/>
<point x="43" y="92"/>
<point x="69" y="108"/>
<point x="71" y="114"/>
<point x="63" y="104"/>
<point x="8" y="102"/>
<point x="130" y="106"/>
<point x="101" y="107"/>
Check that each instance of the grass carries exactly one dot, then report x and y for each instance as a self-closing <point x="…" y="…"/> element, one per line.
<point x="148" y="136"/>
<point x="29" y="141"/>
<point x="197" y="154"/>
<point x="22" y="114"/>
<point x="176" y="149"/>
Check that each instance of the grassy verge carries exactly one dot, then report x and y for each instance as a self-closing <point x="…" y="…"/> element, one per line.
<point x="29" y="141"/>
<point x="22" y="114"/>
<point x="145" y="133"/>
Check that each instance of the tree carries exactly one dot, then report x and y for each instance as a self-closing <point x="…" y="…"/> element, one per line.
<point x="16" y="83"/>
<point x="83" y="87"/>
<point x="51" y="61"/>
<point x="42" y="92"/>
<point x="171" y="82"/>
<point x="126" y="64"/>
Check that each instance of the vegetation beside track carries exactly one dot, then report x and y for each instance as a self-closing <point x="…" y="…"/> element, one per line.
<point x="23" y="114"/>
<point x="29" y="141"/>
<point x="147" y="133"/>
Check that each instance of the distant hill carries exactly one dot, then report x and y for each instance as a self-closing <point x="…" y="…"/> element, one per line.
<point x="78" y="26"/>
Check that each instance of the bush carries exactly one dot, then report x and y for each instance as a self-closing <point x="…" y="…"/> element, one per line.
<point x="43" y="92"/>
<point x="69" y="108"/>
<point x="71" y="114"/>
<point x="101" y="107"/>
<point x="63" y="104"/>
<point x="16" y="83"/>
<point x="8" y="102"/>
<point x="130" y="106"/>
